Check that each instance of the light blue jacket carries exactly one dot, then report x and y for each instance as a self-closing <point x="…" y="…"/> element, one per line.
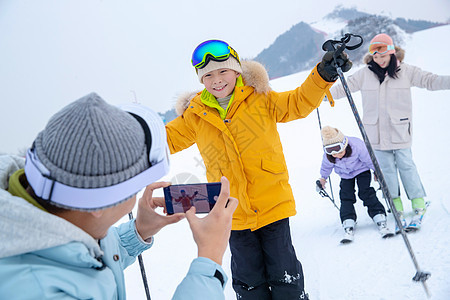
<point x="43" y="256"/>
<point x="348" y="167"/>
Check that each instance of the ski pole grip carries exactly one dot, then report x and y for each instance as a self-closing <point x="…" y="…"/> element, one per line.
<point x="320" y="189"/>
<point x="329" y="45"/>
<point x="356" y="45"/>
<point x="319" y="185"/>
<point x="339" y="50"/>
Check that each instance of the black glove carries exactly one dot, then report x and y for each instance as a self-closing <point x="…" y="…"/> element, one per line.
<point x="327" y="67"/>
<point x="195" y="193"/>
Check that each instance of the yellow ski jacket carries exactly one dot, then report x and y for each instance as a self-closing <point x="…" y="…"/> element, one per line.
<point x="246" y="147"/>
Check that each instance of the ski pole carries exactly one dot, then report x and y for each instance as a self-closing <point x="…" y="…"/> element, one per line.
<point x="141" y="265"/>
<point x="342" y="45"/>
<point x="329" y="181"/>
<point x="387" y="204"/>
<point x="330" y="46"/>
<point x="323" y="193"/>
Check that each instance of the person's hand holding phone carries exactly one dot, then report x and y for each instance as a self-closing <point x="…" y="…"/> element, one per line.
<point x="211" y="233"/>
<point x="148" y="221"/>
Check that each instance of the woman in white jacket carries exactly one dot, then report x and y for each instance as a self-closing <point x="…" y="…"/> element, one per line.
<point x="385" y="84"/>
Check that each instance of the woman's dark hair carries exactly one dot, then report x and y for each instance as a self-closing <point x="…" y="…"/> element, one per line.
<point x="348" y="152"/>
<point x="391" y="69"/>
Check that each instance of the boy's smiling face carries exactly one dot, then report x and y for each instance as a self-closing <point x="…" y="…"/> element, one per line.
<point x="220" y="83"/>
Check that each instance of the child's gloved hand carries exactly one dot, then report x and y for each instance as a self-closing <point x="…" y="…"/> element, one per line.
<point x="327" y="67"/>
<point x="322" y="182"/>
<point x="320" y="185"/>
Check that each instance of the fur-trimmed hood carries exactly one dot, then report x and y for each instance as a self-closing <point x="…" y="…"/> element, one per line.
<point x="399" y="53"/>
<point x="253" y="74"/>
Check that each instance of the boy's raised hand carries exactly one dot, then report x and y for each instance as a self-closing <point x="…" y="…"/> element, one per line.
<point x="327" y="67"/>
<point x="211" y="233"/>
<point x="148" y="221"/>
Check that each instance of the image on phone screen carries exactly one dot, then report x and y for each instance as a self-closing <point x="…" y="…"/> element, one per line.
<point x="181" y="197"/>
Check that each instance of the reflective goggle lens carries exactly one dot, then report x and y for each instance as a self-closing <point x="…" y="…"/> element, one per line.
<point x="212" y="49"/>
<point x="335" y="148"/>
<point x="381" y="48"/>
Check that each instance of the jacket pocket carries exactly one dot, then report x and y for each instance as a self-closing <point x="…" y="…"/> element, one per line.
<point x="401" y="130"/>
<point x="371" y="127"/>
<point x="273" y="166"/>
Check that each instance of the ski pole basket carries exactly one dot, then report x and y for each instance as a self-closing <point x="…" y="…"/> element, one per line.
<point x="421" y="276"/>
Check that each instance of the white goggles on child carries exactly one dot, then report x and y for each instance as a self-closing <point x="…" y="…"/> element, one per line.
<point x="336" y="147"/>
<point x="63" y="195"/>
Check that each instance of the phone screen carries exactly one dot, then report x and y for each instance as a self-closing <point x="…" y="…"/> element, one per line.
<point x="181" y="197"/>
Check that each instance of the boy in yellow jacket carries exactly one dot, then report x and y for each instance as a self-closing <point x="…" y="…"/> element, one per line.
<point x="233" y="121"/>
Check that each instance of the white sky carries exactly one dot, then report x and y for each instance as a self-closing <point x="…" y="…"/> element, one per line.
<point x="54" y="52"/>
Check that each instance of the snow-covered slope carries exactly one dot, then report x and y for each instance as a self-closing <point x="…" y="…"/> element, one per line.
<point x="370" y="268"/>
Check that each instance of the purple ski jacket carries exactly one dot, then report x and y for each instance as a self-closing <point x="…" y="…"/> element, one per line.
<point x="348" y="167"/>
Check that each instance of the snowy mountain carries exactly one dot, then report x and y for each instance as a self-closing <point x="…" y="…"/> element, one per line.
<point x="299" y="48"/>
<point x="370" y="268"/>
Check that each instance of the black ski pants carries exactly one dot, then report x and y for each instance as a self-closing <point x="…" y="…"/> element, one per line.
<point x="365" y="192"/>
<point x="264" y="265"/>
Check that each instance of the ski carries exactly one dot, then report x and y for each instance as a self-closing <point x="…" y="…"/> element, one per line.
<point x="416" y="221"/>
<point x="347" y="240"/>
<point x="403" y="222"/>
<point x="386" y="234"/>
<point x="414" y="225"/>
<point x="348" y="236"/>
<point x="380" y="221"/>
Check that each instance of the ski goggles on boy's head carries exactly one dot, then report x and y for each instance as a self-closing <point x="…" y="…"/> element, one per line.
<point x="379" y="47"/>
<point x="212" y="50"/>
<point x="336" y="147"/>
<point x="89" y="199"/>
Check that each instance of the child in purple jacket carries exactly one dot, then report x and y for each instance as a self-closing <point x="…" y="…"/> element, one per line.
<point x="349" y="158"/>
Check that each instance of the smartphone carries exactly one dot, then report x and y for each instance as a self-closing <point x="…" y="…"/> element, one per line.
<point x="181" y="197"/>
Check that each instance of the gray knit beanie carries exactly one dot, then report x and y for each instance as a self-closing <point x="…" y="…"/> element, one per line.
<point x="92" y="144"/>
